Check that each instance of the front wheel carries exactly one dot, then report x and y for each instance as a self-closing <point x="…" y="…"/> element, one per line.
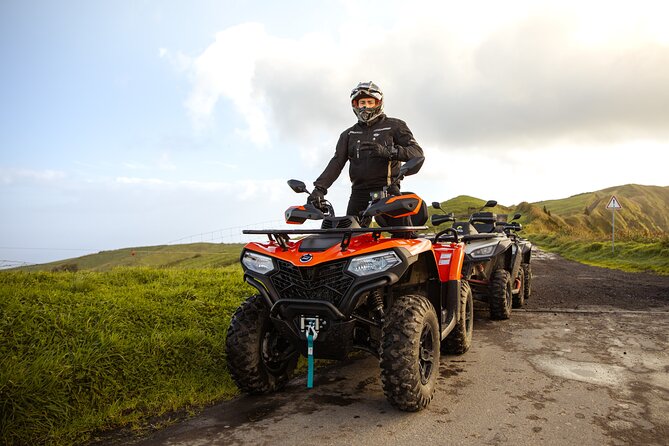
<point x="500" y="295"/>
<point x="259" y="359"/>
<point x="459" y="340"/>
<point x="410" y="353"/>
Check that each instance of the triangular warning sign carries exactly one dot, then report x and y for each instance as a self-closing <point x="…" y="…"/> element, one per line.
<point x="614" y="203"/>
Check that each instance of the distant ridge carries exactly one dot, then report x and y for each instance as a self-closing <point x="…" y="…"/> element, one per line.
<point x="189" y="256"/>
<point x="645" y="211"/>
<point x="645" y="217"/>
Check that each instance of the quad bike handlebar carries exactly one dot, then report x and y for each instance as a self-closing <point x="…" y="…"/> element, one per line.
<point x="453" y="237"/>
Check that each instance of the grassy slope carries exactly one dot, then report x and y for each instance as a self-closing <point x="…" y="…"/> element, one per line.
<point x="88" y="351"/>
<point x="645" y="209"/>
<point x="579" y="227"/>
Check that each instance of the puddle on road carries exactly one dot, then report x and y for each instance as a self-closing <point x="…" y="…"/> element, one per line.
<point x="543" y="255"/>
<point x="588" y="372"/>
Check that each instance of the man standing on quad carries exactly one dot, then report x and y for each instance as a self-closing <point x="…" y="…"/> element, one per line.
<point x="374" y="146"/>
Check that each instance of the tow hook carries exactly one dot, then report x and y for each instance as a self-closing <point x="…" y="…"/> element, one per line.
<point x="310" y="326"/>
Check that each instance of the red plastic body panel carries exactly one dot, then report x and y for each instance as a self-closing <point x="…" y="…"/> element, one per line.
<point x="449" y="258"/>
<point x="361" y="244"/>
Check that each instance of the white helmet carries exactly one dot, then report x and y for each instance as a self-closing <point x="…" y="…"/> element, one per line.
<point x="367" y="90"/>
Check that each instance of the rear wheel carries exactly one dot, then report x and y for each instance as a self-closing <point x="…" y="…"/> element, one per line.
<point x="527" y="284"/>
<point x="459" y="340"/>
<point x="410" y="353"/>
<point x="259" y="360"/>
<point x="500" y="295"/>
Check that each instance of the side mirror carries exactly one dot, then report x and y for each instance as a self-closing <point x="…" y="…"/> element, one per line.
<point x="436" y="205"/>
<point x="490" y="204"/>
<point x="515" y="217"/>
<point x="298" y="186"/>
<point x="412" y="166"/>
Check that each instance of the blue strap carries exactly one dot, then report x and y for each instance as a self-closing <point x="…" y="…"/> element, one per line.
<point x="310" y="361"/>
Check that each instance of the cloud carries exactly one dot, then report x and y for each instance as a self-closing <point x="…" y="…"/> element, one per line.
<point x="238" y="190"/>
<point x="529" y="75"/>
<point x="226" y="69"/>
<point x="9" y="176"/>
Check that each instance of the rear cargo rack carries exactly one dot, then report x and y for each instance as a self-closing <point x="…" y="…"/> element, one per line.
<point x="281" y="236"/>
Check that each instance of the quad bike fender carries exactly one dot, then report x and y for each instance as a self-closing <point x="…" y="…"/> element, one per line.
<point x="513" y="261"/>
<point x="527" y="252"/>
<point x="449" y="258"/>
<point x="450" y="306"/>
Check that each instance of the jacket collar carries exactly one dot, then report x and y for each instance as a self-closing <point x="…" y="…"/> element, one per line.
<point x="379" y="119"/>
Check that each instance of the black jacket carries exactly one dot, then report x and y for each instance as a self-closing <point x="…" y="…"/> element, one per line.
<point x="366" y="169"/>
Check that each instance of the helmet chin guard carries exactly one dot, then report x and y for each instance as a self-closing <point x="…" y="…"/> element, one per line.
<point x="367" y="90"/>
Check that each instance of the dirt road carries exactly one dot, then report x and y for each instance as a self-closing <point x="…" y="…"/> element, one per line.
<point x="585" y="362"/>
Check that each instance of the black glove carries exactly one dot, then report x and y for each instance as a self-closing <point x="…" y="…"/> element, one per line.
<point x="317" y="195"/>
<point x="379" y="150"/>
<point x="393" y="189"/>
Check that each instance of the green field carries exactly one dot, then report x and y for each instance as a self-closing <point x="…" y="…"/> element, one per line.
<point x="86" y="351"/>
<point x="630" y="255"/>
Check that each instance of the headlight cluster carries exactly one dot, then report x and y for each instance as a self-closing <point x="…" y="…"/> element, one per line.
<point x="484" y="251"/>
<point x="257" y="262"/>
<point x="374" y="263"/>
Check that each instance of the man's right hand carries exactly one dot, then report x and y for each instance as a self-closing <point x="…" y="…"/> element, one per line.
<point x="317" y="195"/>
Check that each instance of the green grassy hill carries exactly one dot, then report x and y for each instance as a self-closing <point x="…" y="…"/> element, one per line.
<point x="555" y="224"/>
<point x="645" y="209"/>
<point x="579" y="227"/>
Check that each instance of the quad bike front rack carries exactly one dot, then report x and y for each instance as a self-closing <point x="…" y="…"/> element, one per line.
<point x="281" y="236"/>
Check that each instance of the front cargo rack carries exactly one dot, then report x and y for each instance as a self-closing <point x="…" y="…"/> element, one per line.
<point x="281" y="236"/>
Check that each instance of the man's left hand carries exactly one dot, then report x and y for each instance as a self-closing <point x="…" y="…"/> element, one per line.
<point x="379" y="150"/>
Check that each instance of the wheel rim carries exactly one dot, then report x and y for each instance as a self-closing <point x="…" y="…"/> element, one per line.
<point x="275" y="351"/>
<point x="426" y="354"/>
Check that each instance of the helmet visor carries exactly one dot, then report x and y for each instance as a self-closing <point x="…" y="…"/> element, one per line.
<point x="358" y="93"/>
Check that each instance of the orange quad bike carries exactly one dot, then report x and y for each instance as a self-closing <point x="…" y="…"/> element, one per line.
<point x="344" y="287"/>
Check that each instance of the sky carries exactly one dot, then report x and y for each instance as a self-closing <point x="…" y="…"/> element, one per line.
<point x="141" y="123"/>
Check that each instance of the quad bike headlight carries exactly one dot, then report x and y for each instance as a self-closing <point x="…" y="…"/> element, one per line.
<point x="484" y="251"/>
<point x="373" y="263"/>
<point x="257" y="262"/>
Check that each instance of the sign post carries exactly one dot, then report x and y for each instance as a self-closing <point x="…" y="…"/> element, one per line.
<point x="614" y="204"/>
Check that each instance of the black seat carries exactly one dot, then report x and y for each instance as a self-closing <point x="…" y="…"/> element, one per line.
<point x="483" y="221"/>
<point x="348" y="221"/>
<point x="484" y="227"/>
<point x="323" y="242"/>
<point x="465" y="228"/>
